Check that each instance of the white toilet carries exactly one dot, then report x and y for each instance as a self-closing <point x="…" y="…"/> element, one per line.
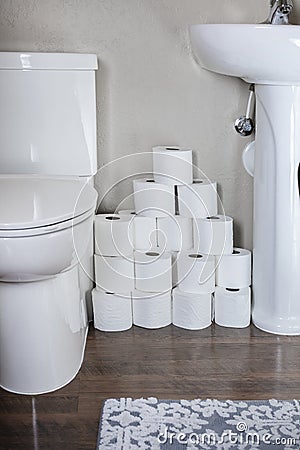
<point x="47" y="205"/>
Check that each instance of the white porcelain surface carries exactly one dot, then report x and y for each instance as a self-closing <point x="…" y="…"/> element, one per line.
<point x="47" y="158"/>
<point x="31" y="201"/>
<point x="269" y="56"/>
<point x="32" y="258"/>
<point x="248" y="157"/>
<point x="276" y="254"/>
<point x="48" y="61"/>
<point x="48" y="118"/>
<point x="43" y="328"/>
<point x="262" y="54"/>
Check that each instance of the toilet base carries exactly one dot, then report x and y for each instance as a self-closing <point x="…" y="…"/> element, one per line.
<point x="43" y="330"/>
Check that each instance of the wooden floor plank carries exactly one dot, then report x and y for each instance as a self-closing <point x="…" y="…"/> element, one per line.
<point x="169" y="363"/>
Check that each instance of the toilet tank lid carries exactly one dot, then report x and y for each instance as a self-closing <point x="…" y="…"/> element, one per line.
<point x="47" y="61"/>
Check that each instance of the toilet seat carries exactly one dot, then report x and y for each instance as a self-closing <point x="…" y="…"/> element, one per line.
<point x="34" y="205"/>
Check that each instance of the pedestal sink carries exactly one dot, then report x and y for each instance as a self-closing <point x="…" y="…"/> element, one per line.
<point x="269" y="56"/>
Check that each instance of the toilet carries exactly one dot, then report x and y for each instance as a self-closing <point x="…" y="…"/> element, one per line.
<point x="47" y="206"/>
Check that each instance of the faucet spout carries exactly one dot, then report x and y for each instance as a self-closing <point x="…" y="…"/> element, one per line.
<point x="279" y="12"/>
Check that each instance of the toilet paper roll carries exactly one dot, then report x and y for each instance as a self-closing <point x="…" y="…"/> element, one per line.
<point x="145" y="233"/>
<point x="113" y="235"/>
<point x="191" y="311"/>
<point x="214" y="235"/>
<point x="196" y="272"/>
<point x="153" y="271"/>
<point x="145" y="230"/>
<point x="126" y="212"/>
<point x="153" y="199"/>
<point x="234" y="271"/>
<point x="152" y="310"/>
<point x="114" y="274"/>
<point x="232" y="307"/>
<point x="112" y="312"/>
<point x="172" y="165"/>
<point x="199" y="199"/>
<point x="175" y="233"/>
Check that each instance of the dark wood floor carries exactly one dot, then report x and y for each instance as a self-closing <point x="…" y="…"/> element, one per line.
<point x="169" y="363"/>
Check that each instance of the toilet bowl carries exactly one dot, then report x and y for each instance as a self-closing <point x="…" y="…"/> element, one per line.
<point x="43" y="249"/>
<point x="47" y="205"/>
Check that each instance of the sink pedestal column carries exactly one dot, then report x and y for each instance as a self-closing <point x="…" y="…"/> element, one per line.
<point x="276" y="253"/>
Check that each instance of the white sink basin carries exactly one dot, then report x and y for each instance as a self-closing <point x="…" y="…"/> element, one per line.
<point x="261" y="54"/>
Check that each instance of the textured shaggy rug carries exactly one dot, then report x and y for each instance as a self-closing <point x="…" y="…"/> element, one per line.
<point x="145" y="424"/>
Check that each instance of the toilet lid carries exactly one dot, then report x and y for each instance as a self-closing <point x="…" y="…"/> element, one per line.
<point x="32" y="201"/>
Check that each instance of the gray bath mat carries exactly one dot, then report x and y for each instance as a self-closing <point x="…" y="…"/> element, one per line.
<point x="146" y="424"/>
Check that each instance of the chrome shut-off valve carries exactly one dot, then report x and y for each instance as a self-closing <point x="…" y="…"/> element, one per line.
<point x="244" y="125"/>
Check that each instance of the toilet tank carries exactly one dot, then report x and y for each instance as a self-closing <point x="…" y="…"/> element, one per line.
<point x="48" y="114"/>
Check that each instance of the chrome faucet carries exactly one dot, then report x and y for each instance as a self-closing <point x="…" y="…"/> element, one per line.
<point x="279" y="12"/>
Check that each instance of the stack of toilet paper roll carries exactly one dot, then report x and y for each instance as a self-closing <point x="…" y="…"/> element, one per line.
<point x="152" y="298"/>
<point x="173" y="239"/>
<point x="133" y="283"/>
<point x="114" y="272"/>
<point x="192" y="298"/>
<point x="232" y="301"/>
<point x="171" y="190"/>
